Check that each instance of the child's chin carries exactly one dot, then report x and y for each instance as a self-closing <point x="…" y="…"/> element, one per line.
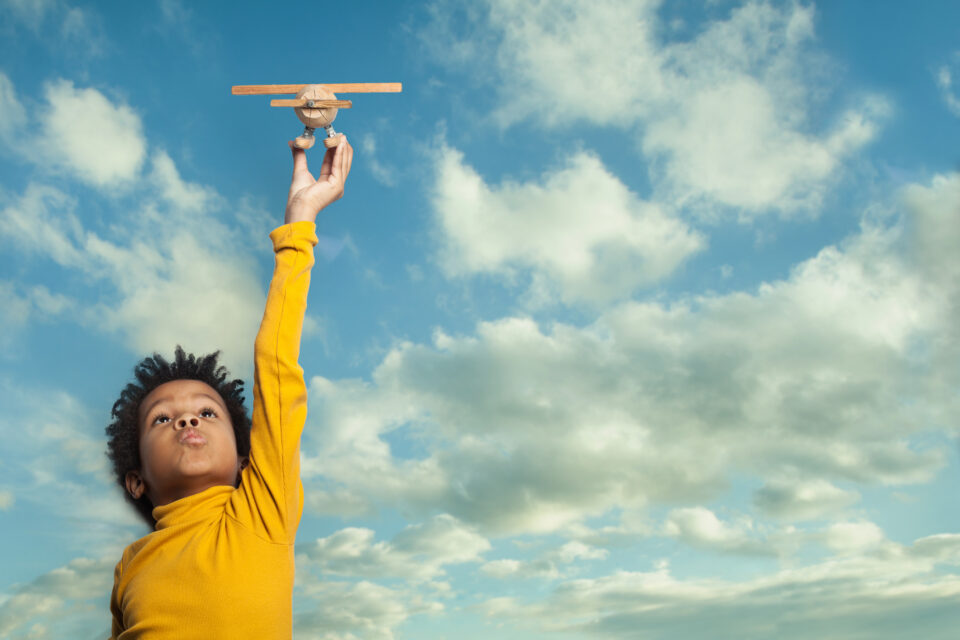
<point x="206" y="471"/>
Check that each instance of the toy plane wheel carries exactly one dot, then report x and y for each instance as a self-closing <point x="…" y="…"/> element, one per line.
<point x="305" y="141"/>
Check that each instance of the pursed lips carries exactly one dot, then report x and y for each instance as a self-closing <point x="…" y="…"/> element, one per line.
<point x="192" y="436"/>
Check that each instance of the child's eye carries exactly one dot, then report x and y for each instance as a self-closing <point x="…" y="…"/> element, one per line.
<point x="159" y="418"/>
<point x="213" y="414"/>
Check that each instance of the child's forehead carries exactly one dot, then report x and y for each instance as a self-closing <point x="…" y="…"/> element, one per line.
<point x="178" y="390"/>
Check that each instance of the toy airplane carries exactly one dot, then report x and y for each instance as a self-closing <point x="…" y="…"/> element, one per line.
<point x="315" y="104"/>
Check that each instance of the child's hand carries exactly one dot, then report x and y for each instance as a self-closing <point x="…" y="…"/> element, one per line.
<point x="308" y="196"/>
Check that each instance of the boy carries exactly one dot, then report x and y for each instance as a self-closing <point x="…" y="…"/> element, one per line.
<point x="219" y="563"/>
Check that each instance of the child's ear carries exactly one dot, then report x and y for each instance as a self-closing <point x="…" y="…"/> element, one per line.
<point x="135" y="484"/>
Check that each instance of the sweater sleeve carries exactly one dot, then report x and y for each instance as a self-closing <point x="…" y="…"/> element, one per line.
<point x="269" y="500"/>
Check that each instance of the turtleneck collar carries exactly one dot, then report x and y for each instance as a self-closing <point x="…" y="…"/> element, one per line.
<point x="206" y="505"/>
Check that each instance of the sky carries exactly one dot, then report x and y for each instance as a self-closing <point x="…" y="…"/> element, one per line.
<point x="637" y="318"/>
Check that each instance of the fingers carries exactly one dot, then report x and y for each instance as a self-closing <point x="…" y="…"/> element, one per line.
<point x="347" y="157"/>
<point x="299" y="158"/>
<point x="336" y="163"/>
<point x="327" y="163"/>
<point x="342" y="160"/>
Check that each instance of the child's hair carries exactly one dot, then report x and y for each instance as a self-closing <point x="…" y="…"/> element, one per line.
<point x="123" y="447"/>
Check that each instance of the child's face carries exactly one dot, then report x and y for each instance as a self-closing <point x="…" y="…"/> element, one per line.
<point x="187" y="443"/>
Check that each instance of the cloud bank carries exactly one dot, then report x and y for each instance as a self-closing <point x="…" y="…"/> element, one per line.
<point x="720" y="110"/>
<point x="807" y="382"/>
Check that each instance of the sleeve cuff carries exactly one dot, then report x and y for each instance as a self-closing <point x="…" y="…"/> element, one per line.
<point x="290" y="235"/>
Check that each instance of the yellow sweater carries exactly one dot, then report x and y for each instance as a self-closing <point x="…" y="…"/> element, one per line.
<point x="220" y="562"/>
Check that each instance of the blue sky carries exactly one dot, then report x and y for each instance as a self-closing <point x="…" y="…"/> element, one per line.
<point x="637" y="319"/>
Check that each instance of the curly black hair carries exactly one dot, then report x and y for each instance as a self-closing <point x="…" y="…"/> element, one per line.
<point x="123" y="447"/>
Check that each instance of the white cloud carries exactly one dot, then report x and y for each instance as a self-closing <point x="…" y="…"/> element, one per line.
<point x="443" y="538"/>
<point x="574" y="550"/>
<point x="723" y="116"/>
<point x="941" y="548"/>
<point x="508" y="567"/>
<point x="556" y="64"/>
<point x="935" y="234"/>
<point x="186" y="198"/>
<point x="339" y="501"/>
<point x="853" y="536"/>
<point x="580" y="231"/>
<point x="700" y="527"/>
<point x="552" y="564"/>
<point x="794" y="499"/>
<point x="331" y="610"/>
<point x="7" y="500"/>
<point x="98" y="140"/>
<point x="186" y="303"/>
<point x="417" y="553"/>
<point x="736" y="131"/>
<point x="729" y="145"/>
<point x="945" y="82"/>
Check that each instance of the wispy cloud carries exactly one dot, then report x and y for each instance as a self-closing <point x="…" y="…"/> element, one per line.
<point x="371" y="160"/>
<point x="14" y="315"/>
<point x="30" y="12"/>
<point x="173" y="267"/>
<point x="13" y="115"/>
<point x="552" y="564"/>
<point x="70" y="599"/>
<point x="946" y="80"/>
<point x="61" y="465"/>
<point x="887" y="594"/>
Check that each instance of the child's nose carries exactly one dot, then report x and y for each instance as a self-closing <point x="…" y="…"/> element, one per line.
<point x="183" y="422"/>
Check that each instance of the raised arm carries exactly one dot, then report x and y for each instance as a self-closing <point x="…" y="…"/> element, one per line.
<point x="270" y="497"/>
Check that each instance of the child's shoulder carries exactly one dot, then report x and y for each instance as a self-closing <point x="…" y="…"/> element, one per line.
<point x="136" y="547"/>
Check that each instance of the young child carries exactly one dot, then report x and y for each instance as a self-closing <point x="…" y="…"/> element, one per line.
<point x="223" y="496"/>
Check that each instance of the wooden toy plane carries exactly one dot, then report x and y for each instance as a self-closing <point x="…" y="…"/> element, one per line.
<point x="315" y="104"/>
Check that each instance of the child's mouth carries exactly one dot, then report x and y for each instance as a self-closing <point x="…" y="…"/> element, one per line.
<point x="192" y="436"/>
